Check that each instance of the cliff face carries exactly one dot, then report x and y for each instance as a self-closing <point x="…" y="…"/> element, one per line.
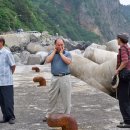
<point x="105" y="17"/>
<point x="88" y="20"/>
<point x="100" y="17"/>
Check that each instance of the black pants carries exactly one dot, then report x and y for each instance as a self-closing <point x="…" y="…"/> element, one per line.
<point x="7" y="102"/>
<point x="124" y="100"/>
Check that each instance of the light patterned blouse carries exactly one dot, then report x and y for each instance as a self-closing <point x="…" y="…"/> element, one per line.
<point x="6" y="61"/>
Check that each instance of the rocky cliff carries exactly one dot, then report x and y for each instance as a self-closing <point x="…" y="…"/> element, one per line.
<point x="105" y="17"/>
<point x="88" y="20"/>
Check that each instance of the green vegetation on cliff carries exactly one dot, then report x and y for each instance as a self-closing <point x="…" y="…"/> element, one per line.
<point x="42" y="15"/>
<point x="70" y="18"/>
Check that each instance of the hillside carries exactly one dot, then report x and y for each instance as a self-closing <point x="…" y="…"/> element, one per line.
<point x="16" y="14"/>
<point x="79" y="20"/>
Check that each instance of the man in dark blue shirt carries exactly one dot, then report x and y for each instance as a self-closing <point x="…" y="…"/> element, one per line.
<point x="60" y="83"/>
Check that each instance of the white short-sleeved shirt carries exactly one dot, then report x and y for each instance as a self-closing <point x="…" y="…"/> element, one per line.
<point x="6" y="61"/>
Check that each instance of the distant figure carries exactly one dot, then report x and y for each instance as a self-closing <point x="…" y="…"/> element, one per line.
<point x="60" y="83"/>
<point x="19" y="30"/>
<point x="7" y="68"/>
<point x="123" y="90"/>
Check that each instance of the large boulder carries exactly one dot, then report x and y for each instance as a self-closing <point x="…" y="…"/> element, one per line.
<point x="24" y="57"/>
<point x="34" y="38"/>
<point x="99" y="76"/>
<point x="82" y="45"/>
<point x="105" y="72"/>
<point x="46" y="38"/>
<point x="17" y="58"/>
<point x="94" y="45"/>
<point x="112" y="46"/>
<point x="16" y="39"/>
<point x="35" y="47"/>
<point x="98" y="55"/>
<point x="48" y="48"/>
<point x="69" y="44"/>
<point x="34" y="59"/>
<point x="45" y="35"/>
<point x="76" y="51"/>
<point x="15" y="49"/>
<point x="43" y="56"/>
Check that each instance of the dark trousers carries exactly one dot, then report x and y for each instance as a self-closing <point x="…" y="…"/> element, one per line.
<point x="7" y="102"/>
<point x="124" y="100"/>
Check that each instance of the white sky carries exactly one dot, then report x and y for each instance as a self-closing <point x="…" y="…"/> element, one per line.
<point x="125" y="2"/>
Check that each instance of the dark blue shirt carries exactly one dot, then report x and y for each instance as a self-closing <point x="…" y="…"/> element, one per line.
<point x="58" y="66"/>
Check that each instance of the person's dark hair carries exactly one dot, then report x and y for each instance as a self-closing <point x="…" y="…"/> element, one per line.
<point x="124" y="41"/>
<point x="2" y="40"/>
<point x="124" y="37"/>
<point x="59" y="39"/>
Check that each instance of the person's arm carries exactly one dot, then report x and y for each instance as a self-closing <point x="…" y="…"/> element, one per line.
<point x="124" y="60"/>
<point x="13" y="68"/>
<point x="50" y="57"/>
<point x="11" y="62"/>
<point x="122" y="65"/>
<point x="65" y="59"/>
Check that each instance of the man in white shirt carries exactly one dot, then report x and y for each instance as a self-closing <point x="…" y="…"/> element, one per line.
<point x="7" y="68"/>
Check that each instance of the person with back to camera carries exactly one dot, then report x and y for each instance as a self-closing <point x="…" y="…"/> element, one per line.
<point x="123" y="90"/>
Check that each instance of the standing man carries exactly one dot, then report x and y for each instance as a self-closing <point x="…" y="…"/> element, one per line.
<point x="7" y="68"/>
<point x="60" y="83"/>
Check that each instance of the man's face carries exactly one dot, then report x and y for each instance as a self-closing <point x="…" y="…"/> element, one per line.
<point x="1" y="44"/>
<point x="118" y="41"/>
<point x="59" y="45"/>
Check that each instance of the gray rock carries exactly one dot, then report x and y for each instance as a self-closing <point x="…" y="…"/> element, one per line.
<point x="24" y="57"/>
<point x="16" y="39"/>
<point x="82" y="45"/>
<point x="43" y="56"/>
<point x="15" y="48"/>
<point x="112" y="46"/>
<point x="34" y="47"/>
<point x="17" y="58"/>
<point x="69" y="45"/>
<point x="99" y="56"/>
<point x="34" y="59"/>
<point x="48" y="48"/>
<point x="88" y="70"/>
<point x="34" y="38"/>
<point x="72" y="45"/>
<point x="102" y="47"/>
<point x="76" y="52"/>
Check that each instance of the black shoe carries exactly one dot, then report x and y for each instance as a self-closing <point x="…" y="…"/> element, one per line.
<point x="123" y="125"/>
<point x="12" y="121"/>
<point x="44" y="119"/>
<point x="3" y="121"/>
